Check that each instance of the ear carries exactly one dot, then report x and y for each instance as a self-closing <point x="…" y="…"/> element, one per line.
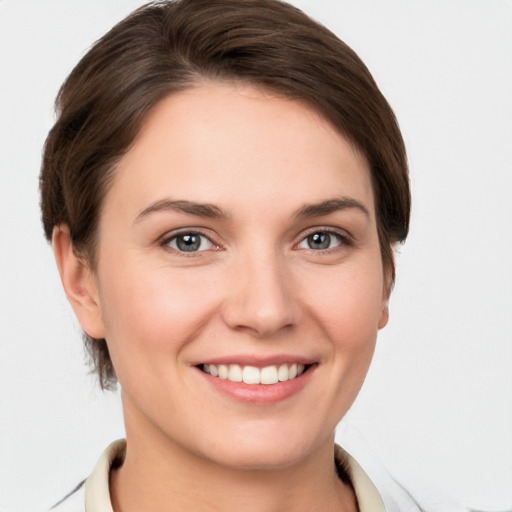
<point x="386" y="292"/>
<point x="79" y="282"/>
<point x="384" y="312"/>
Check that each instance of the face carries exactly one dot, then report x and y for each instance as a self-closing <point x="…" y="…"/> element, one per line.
<point x="239" y="282"/>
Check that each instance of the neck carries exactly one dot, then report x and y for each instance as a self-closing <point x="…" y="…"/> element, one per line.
<point x="159" y="475"/>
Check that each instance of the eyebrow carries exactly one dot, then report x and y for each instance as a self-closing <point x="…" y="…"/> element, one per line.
<point x="330" y="206"/>
<point x="201" y="210"/>
<point x="214" y="212"/>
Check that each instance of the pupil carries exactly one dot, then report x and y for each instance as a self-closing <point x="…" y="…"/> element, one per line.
<point x="319" y="241"/>
<point x="188" y="243"/>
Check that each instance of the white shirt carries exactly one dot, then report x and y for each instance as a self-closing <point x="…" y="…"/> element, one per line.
<point x="375" y="489"/>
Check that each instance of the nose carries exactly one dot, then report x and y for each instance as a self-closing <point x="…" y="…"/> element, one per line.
<point x="261" y="299"/>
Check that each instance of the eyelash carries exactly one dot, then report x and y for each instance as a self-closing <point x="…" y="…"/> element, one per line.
<point x="168" y="240"/>
<point x="343" y="239"/>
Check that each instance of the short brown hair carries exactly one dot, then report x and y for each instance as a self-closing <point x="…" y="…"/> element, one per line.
<point x="168" y="46"/>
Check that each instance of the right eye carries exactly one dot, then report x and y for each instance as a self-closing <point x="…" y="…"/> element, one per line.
<point x="321" y="241"/>
<point x="189" y="242"/>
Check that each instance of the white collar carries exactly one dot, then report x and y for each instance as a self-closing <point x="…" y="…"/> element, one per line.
<point x="97" y="493"/>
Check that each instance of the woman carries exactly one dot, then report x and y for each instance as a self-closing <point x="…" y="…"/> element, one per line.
<point x="223" y="189"/>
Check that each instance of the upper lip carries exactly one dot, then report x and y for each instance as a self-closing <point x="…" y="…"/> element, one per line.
<point x="258" y="361"/>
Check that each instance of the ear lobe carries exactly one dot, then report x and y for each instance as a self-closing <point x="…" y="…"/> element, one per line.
<point x="384" y="315"/>
<point x="386" y="292"/>
<point x="79" y="283"/>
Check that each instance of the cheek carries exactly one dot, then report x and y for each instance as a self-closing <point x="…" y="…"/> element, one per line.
<point x="349" y="308"/>
<point x="346" y="304"/>
<point x="149" y="313"/>
<point x="349" y="303"/>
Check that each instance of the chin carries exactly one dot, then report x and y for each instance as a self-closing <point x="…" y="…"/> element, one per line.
<point x="266" y="451"/>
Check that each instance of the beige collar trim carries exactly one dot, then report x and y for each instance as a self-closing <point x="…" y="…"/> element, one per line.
<point x="368" y="498"/>
<point x="97" y="493"/>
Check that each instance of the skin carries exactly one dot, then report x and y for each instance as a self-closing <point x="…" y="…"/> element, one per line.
<point x="256" y="289"/>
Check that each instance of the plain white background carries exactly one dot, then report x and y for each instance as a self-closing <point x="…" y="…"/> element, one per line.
<point x="437" y="404"/>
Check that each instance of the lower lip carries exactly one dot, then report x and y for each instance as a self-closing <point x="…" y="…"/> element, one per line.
<point x="259" y="393"/>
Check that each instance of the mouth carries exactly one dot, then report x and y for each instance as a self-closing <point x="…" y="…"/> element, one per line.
<point x="253" y="375"/>
<point x="257" y="380"/>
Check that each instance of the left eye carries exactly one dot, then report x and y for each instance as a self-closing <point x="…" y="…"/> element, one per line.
<point x="321" y="241"/>
<point x="189" y="242"/>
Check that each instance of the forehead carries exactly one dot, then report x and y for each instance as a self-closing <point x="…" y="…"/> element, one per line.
<point x="223" y="141"/>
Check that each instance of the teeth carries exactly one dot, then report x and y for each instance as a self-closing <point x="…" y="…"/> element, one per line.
<point x="223" y="371"/>
<point x="235" y="373"/>
<point x="283" y="373"/>
<point x="269" y="375"/>
<point x="253" y="375"/>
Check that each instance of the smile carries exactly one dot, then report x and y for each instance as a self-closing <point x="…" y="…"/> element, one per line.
<point x="267" y="375"/>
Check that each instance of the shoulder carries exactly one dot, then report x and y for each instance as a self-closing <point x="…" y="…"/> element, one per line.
<point x="371" y="477"/>
<point x="73" y="502"/>
<point x="93" y="493"/>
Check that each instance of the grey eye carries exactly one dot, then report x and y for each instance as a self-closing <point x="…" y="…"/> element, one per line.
<point x="320" y="241"/>
<point x="190" y="242"/>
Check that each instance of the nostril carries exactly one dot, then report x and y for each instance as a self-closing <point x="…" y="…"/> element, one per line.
<point x="261" y="302"/>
